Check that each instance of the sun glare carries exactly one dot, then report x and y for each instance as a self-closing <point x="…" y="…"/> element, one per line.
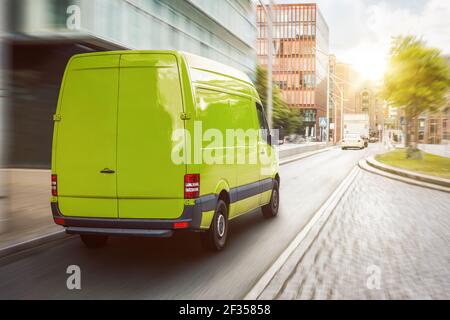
<point x="370" y="62"/>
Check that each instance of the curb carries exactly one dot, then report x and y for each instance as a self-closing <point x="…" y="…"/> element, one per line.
<point x="32" y="243"/>
<point x="408" y="174"/>
<point x="299" y="149"/>
<point x="304" y="155"/>
<point x="363" y="164"/>
<point x="301" y="243"/>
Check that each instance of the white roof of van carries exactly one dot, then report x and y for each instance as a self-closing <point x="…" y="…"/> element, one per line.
<point x="201" y="63"/>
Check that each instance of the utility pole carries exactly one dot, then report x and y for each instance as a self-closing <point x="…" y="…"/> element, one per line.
<point x="335" y="122"/>
<point x="326" y="54"/>
<point x="327" y="134"/>
<point x="342" y="112"/>
<point x="270" y="65"/>
<point x="341" y="102"/>
<point x="268" y="10"/>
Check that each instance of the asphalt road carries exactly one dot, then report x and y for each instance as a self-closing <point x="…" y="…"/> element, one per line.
<point x="178" y="268"/>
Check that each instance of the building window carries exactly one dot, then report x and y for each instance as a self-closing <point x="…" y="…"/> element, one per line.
<point x="282" y="84"/>
<point x="422" y="123"/>
<point x="309" y="115"/>
<point x="307" y="81"/>
<point x="433" y="127"/>
<point x="59" y="12"/>
<point x="421" y="135"/>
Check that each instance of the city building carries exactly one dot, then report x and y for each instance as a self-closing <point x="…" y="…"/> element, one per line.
<point x="359" y="97"/>
<point x="44" y="34"/>
<point x="300" y="58"/>
<point x="369" y="102"/>
<point x="392" y="113"/>
<point x="344" y="88"/>
<point x="434" y="126"/>
<point x="349" y="81"/>
<point x="3" y="101"/>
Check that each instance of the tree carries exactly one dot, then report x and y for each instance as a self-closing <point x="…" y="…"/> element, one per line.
<point x="417" y="80"/>
<point x="283" y="117"/>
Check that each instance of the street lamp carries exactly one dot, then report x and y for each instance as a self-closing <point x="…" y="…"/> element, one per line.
<point x="328" y="91"/>
<point x="342" y="100"/>
<point x="341" y="91"/>
<point x="268" y="11"/>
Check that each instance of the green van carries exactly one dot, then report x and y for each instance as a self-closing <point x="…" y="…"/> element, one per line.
<point x="147" y="143"/>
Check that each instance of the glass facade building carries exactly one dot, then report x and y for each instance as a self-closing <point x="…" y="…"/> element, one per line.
<point x="300" y="65"/>
<point x="222" y="30"/>
<point x="44" y="34"/>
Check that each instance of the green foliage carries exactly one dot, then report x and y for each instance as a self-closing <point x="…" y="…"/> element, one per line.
<point x="417" y="77"/>
<point x="429" y="164"/>
<point x="282" y="116"/>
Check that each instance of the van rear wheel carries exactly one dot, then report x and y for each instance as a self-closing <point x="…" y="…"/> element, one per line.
<point x="216" y="237"/>
<point x="270" y="210"/>
<point x="94" y="241"/>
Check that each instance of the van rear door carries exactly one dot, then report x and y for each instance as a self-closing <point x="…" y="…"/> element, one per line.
<point x="150" y="185"/>
<point x="85" y="138"/>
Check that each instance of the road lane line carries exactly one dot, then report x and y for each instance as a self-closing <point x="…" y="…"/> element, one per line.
<point x="320" y="216"/>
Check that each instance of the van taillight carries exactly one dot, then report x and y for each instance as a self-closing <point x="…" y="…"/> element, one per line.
<point x="191" y="186"/>
<point x="181" y="225"/>
<point x="59" y="221"/>
<point x="54" y="185"/>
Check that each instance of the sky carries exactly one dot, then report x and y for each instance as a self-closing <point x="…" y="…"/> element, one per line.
<point x="361" y="30"/>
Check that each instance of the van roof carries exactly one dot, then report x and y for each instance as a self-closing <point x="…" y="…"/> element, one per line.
<point x="193" y="61"/>
<point x="201" y="63"/>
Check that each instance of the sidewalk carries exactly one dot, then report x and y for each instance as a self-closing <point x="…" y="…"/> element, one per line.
<point x="25" y="212"/>
<point x="384" y="240"/>
<point x="26" y="209"/>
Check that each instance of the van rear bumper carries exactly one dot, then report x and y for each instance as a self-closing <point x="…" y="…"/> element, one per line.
<point x="121" y="232"/>
<point x="192" y="215"/>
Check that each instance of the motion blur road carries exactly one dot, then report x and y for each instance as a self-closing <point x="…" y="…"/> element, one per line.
<point x="382" y="231"/>
<point x="178" y="268"/>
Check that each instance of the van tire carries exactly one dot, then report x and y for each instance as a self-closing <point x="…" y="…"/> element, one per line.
<point x="270" y="210"/>
<point x="94" y="241"/>
<point x="216" y="237"/>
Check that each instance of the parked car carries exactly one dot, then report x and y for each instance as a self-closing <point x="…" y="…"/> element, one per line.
<point x="366" y="142"/>
<point x="352" y="141"/>
<point x="113" y="172"/>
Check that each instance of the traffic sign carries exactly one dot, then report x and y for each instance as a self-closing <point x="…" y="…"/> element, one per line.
<point x="323" y="122"/>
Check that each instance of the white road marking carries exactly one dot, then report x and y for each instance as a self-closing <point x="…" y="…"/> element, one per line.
<point x="322" y="214"/>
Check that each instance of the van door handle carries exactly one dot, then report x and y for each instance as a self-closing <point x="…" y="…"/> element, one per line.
<point x="107" y="171"/>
